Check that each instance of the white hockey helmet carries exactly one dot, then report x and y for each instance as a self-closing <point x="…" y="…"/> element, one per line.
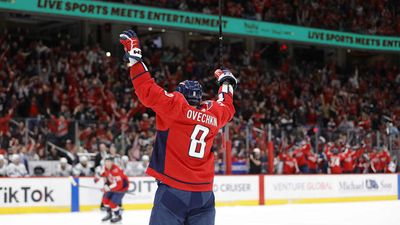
<point x="125" y="158"/>
<point x="83" y="159"/>
<point x="63" y="161"/>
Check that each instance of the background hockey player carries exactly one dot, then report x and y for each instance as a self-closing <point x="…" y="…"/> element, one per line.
<point x="83" y="168"/>
<point x="16" y="168"/>
<point x="63" y="168"/>
<point x="182" y="160"/>
<point x="116" y="184"/>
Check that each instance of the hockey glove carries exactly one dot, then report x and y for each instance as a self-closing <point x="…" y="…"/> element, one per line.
<point x="106" y="188"/>
<point x="130" y="41"/>
<point x="225" y="76"/>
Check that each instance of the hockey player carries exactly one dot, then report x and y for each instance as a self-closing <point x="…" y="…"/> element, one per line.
<point x="63" y="168"/>
<point x="334" y="161"/>
<point x="186" y="127"/>
<point x="300" y="154"/>
<point x="16" y="168"/>
<point x="375" y="162"/>
<point x="290" y="164"/>
<point x="384" y="157"/>
<point x="116" y="184"/>
<point x="313" y="161"/>
<point x="82" y="168"/>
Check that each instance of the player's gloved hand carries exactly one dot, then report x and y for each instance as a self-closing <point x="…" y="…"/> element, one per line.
<point x="106" y="188"/>
<point x="131" y="44"/>
<point x="225" y="76"/>
<point x="96" y="179"/>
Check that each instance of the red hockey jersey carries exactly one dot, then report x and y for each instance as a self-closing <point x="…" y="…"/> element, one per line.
<point x="116" y="179"/>
<point x="182" y="156"/>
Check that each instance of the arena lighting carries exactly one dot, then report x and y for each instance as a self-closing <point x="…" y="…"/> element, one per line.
<point x="283" y="48"/>
<point x="150" y="28"/>
<point x="108" y="54"/>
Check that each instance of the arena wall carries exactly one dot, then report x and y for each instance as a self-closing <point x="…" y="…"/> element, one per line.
<point x="37" y="195"/>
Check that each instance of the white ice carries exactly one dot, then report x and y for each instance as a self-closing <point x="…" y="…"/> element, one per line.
<point x="363" y="213"/>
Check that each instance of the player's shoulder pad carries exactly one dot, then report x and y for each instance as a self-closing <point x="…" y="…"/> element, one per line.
<point x="207" y="105"/>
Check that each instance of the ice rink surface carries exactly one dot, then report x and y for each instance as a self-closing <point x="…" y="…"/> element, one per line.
<point x="365" y="213"/>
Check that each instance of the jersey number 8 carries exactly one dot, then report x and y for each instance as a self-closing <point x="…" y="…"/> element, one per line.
<point x="196" y="140"/>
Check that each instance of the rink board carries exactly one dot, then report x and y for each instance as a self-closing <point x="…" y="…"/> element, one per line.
<point x="28" y="195"/>
<point x="228" y="190"/>
<point x="330" y="188"/>
<point x="43" y="195"/>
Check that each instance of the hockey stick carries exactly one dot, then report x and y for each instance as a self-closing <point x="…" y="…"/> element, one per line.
<point x="73" y="183"/>
<point x="221" y="37"/>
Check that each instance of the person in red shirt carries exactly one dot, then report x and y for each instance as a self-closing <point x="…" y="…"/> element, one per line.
<point x="362" y="164"/>
<point x="4" y="123"/>
<point x="375" y="162"/>
<point x="116" y="184"/>
<point x="312" y="160"/>
<point x="348" y="160"/>
<point x="334" y="160"/>
<point x="300" y="154"/>
<point x="384" y="157"/>
<point x="290" y="164"/>
<point x="182" y="160"/>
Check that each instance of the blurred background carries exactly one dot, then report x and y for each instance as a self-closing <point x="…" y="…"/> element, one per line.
<point x="64" y="91"/>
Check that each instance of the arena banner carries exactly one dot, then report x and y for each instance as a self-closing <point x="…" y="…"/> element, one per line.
<point x="229" y="190"/>
<point x="140" y="194"/>
<point x="31" y="195"/>
<point x="236" y="190"/>
<point x="330" y="188"/>
<point x="34" y="195"/>
<point x="202" y="22"/>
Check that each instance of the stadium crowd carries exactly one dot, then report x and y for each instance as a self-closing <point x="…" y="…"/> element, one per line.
<point x="69" y="93"/>
<point x="360" y="16"/>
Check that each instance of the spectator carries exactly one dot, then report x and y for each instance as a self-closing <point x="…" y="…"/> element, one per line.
<point x="100" y="155"/>
<point x="3" y="166"/>
<point x="255" y="162"/>
<point x="82" y="168"/>
<point x="98" y="171"/>
<point x="15" y="168"/>
<point x="63" y="168"/>
<point x="115" y="155"/>
<point x="290" y="94"/>
<point x="367" y="16"/>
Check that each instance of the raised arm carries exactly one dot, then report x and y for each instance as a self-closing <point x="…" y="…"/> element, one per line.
<point x="149" y="93"/>
<point x="224" y="109"/>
